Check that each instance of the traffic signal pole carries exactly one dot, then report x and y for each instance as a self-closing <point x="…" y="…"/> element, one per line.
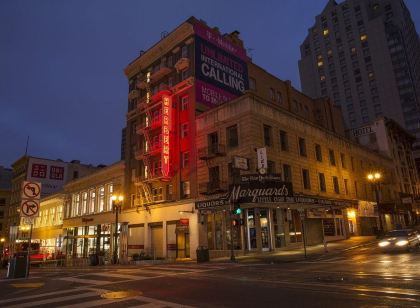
<point x="232" y="253"/>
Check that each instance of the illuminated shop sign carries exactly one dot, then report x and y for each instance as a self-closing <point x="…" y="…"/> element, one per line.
<point x="221" y="70"/>
<point x="166" y="124"/>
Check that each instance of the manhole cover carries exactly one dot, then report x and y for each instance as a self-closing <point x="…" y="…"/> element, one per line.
<point x="120" y="294"/>
<point x="28" y="285"/>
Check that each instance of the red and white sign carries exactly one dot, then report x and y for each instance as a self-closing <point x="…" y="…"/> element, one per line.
<point x="39" y="171"/>
<point x="29" y="208"/>
<point x="31" y="190"/>
<point x="166" y="129"/>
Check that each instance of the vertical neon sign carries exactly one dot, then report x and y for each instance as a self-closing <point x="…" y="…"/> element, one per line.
<point x="166" y="124"/>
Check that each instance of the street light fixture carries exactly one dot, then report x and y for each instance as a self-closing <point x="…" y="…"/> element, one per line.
<point x="375" y="178"/>
<point x="117" y="202"/>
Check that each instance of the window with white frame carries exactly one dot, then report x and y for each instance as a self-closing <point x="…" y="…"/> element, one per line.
<point x="92" y="201"/>
<point x="184" y="130"/>
<point x="110" y="189"/>
<point x="84" y="202"/>
<point x="101" y="203"/>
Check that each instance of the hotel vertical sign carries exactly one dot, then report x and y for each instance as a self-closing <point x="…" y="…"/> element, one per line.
<point x="166" y="129"/>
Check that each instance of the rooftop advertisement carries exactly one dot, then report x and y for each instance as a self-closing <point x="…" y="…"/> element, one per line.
<point x="221" y="69"/>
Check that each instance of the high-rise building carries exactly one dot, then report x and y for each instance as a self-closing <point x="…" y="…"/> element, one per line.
<point x="365" y="56"/>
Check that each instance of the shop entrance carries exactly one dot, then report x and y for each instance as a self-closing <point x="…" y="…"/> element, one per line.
<point x="265" y="229"/>
<point x="182" y="245"/>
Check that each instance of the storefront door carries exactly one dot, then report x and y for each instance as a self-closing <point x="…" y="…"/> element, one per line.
<point x="183" y="245"/>
<point x="265" y="229"/>
<point x="251" y="229"/>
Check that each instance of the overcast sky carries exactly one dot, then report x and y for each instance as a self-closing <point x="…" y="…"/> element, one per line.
<point x="61" y="63"/>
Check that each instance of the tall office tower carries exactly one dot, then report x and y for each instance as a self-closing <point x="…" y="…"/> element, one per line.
<point x="365" y="55"/>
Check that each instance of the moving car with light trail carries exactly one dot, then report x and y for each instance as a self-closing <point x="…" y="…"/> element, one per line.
<point x="400" y="240"/>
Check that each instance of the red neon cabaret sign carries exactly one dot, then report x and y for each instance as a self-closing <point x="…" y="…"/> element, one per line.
<point x="166" y="126"/>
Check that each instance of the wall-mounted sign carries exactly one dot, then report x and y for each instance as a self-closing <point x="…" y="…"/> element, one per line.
<point x="361" y="131"/>
<point x="262" y="159"/>
<point x="221" y="69"/>
<point x="166" y="128"/>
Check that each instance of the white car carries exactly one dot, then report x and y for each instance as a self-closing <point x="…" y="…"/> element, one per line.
<point x="400" y="240"/>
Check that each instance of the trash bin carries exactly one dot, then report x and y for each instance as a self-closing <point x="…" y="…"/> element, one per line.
<point x="18" y="266"/>
<point x="94" y="260"/>
<point x="203" y="254"/>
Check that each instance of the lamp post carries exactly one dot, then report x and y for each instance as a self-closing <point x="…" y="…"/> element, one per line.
<point x="117" y="201"/>
<point x="375" y="178"/>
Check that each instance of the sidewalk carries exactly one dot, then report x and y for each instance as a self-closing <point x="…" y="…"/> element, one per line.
<point x="296" y="253"/>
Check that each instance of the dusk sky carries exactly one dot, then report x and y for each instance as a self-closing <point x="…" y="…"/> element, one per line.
<point x="62" y="62"/>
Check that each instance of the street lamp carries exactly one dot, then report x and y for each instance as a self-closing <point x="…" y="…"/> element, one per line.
<point x="375" y="178"/>
<point x="117" y="201"/>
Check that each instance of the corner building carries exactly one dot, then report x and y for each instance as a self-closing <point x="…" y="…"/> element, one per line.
<point x="192" y="69"/>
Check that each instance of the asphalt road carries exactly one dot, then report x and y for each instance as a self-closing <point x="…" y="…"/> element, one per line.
<point x="362" y="277"/>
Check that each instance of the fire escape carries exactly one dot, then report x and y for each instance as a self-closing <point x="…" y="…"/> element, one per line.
<point x="150" y="130"/>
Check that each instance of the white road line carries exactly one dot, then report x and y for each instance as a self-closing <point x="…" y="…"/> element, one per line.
<point x="88" y="281"/>
<point x="158" y="303"/>
<point x="54" y="300"/>
<point x="116" y="275"/>
<point x="35" y="296"/>
<point x="97" y="302"/>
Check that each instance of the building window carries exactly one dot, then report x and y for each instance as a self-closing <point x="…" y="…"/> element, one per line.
<point x="185" y="159"/>
<point x="185" y="189"/>
<point x="346" y="186"/>
<point x="332" y="157"/>
<point x="92" y="201"/>
<point x="343" y="161"/>
<point x="318" y="152"/>
<point x="101" y="204"/>
<point x="335" y="184"/>
<point x="252" y="83"/>
<point x="84" y="202"/>
<point x="109" y="191"/>
<point x="267" y="135"/>
<point x="287" y="173"/>
<point x="272" y="94"/>
<point x="302" y="147"/>
<point x="352" y="163"/>
<point x="232" y="136"/>
<point x="279" y="97"/>
<point x="284" y="141"/>
<point x="322" y="186"/>
<point x="271" y="167"/>
<point x="306" y="179"/>
<point x="184" y="130"/>
<point x="184" y="51"/>
<point x="184" y="103"/>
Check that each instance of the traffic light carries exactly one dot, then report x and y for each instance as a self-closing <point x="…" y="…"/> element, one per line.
<point x="237" y="209"/>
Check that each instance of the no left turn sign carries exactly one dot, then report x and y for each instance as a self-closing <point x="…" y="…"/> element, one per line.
<point x="29" y="208"/>
<point x="31" y="190"/>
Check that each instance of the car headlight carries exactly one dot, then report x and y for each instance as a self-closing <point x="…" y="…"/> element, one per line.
<point x="401" y="243"/>
<point x="383" y="244"/>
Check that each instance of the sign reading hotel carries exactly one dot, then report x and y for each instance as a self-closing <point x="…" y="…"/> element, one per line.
<point x="221" y="69"/>
<point x="166" y="128"/>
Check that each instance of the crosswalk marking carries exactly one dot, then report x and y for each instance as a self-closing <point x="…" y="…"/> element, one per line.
<point x="54" y="300"/>
<point x="35" y="296"/>
<point x="124" y="276"/>
<point x="96" y="302"/>
<point x="86" y="281"/>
